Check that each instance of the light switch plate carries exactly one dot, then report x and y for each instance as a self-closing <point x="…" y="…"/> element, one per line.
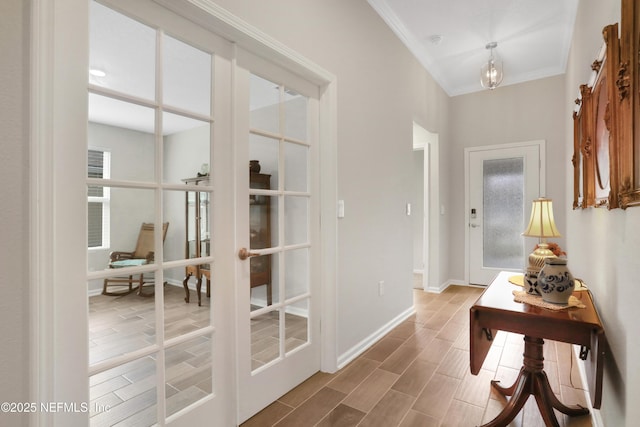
<point x="340" y="208"/>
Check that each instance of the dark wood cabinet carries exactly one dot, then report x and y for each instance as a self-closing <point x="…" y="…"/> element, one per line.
<point x="260" y="232"/>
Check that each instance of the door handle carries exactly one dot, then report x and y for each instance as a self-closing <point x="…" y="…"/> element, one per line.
<point x="244" y="254"/>
<point x="474" y="225"/>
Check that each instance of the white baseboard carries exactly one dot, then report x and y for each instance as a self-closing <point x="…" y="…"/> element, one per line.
<point x="366" y="343"/>
<point x="98" y="291"/>
<point x="596" y="417"/>
<point x="444" y="286"/>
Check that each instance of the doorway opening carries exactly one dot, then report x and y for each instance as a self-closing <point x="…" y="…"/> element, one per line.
<point x="427" y="210"/>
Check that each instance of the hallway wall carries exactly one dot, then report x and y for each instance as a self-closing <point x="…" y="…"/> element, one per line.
<point x="603" y="246"/>
<point x="14" y="208"/>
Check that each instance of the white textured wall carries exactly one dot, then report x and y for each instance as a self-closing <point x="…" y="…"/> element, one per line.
<point x="14" y="211"/>
<point x="381" y="91"/>
<point x="603" y="245"/>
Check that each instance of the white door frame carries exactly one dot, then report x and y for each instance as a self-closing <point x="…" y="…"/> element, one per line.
<point x="58" y="100"/>
<point x="541" y="144"/>
<point x="429" y="143"/>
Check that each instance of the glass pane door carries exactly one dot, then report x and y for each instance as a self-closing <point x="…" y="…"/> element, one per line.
<point x="278" y="221"/>
<point x="151" y="144"/>
<point x="275" y="163"/>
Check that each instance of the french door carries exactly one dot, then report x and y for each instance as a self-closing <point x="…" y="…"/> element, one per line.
<point x="157" y="118"/>
<point x="169" y="109"/>
<point x="277" y="232"/>
<point x="501" y="183"/>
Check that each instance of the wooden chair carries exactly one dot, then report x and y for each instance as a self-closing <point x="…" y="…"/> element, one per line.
<point x="143" y="254"/>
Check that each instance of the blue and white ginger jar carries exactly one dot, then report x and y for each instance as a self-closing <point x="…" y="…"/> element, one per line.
<point x="555" y="282"/>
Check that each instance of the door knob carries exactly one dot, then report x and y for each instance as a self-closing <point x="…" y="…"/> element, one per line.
<point x="244" y="254"/>
<point x="474" y="225"/>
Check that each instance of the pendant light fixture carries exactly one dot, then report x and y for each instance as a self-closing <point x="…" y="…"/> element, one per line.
<point x="491" y="72"/>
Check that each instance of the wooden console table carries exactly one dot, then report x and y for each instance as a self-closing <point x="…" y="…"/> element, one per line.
<point x="496" y="310"/>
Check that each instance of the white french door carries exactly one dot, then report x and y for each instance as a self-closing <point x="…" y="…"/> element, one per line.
<point x="157" y="96"/>
<point x="166" y="103"/>
<point x="277" y="227"/>
<point x="501" y="182"/>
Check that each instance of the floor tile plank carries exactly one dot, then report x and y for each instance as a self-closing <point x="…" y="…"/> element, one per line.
<point x="390" y="411"/>
<point x="314" y="409"/>
<point x="372" y="389"/>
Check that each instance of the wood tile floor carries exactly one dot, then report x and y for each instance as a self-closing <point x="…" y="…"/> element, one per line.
<point x="125" y="396"/>
<point x="126" y="323"/>
<point x="418" y="375"/>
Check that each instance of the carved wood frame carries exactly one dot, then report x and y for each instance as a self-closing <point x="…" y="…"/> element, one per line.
<point x="582" y="144"/>
<point x="596" y="130"/>
<point x="576" y="159"/>
<point x="628" y="85"/>
<point x="605" y="124"/>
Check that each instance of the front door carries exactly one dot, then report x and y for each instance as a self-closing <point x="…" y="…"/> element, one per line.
<point x="277" y="231"/>
<point x="502" y="181"/>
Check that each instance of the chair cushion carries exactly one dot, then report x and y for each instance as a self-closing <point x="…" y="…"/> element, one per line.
<point x="127" y="263"/>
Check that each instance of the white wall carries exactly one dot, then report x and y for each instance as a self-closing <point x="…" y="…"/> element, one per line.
<point x="603" y="246"/>
<point x="14" y="208"/>
<point x="517" y="113"/>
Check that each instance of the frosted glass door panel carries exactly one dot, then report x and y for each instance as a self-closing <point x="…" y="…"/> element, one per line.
<point x="503" y="183"/>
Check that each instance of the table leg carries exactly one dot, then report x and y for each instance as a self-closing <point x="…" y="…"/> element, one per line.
<point x="185" y="283"/>
<point x="532" y="380"/>
<point x="198" y="288"/>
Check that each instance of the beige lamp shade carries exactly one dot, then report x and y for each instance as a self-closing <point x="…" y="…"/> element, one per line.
<point x="541" y="223"/>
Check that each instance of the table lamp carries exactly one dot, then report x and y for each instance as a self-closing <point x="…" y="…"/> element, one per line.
<point x="541" y="225"/>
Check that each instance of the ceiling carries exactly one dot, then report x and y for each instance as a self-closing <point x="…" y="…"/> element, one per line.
<point x="448" y="37"/>
<point x="533" y="39"/>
